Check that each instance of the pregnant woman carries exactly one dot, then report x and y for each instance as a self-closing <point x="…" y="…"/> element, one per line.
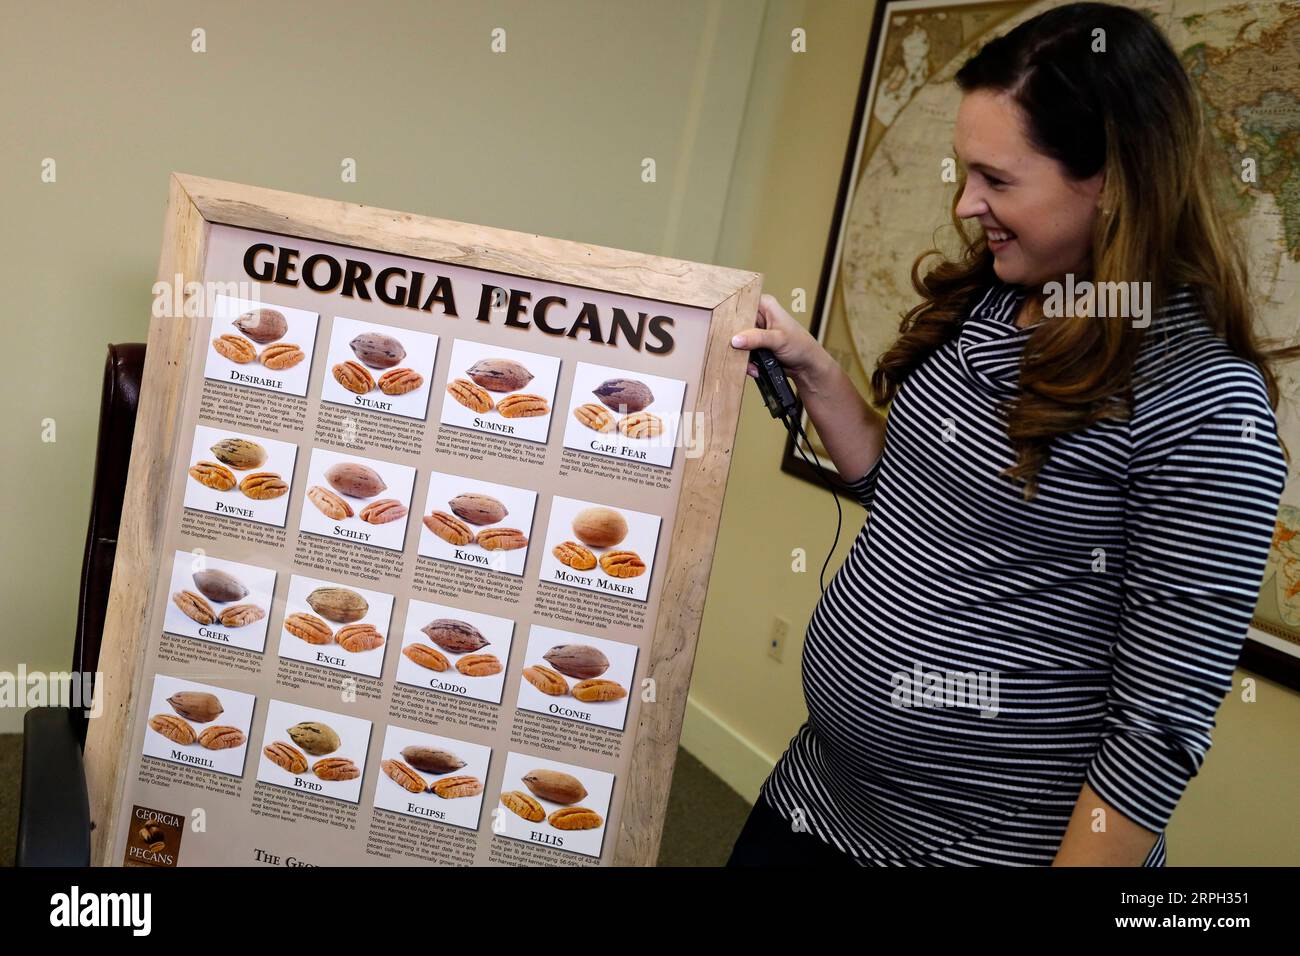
<point x="1020" y="660"/>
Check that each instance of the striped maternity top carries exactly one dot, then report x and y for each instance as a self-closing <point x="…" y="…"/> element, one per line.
<point x="978" y="656"/>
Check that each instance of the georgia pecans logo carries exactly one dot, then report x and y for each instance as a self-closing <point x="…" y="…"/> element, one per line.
<point x="154" y="838"/>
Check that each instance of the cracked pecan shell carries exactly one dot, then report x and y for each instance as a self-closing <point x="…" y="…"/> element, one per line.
<point x="501" y="539"/>
<point x="194" y="607"/>
<point x="549" y="682"/>
<point x="574" y="555"/>
<point x="399" y="381"/>
<point x="309" y="628"/>
<point x="235" y="347"/>
<point x="383" y="511"/>
<point x="175" y="729"/>
<point x="221" y="737"/>
<point x="404" y="776"/>
<point x="263" y="485"/>
<point x="597" y="690"/>
<point x="641" y="425"/>
<point x="470" y="395"/>
<point x="427" y="657"/>
<point x="595" y="417"/>
<point x="524" y="805"/>
<point x="280" y="356"/>
<point x="479" y="665"/>
<point x="622" y="564"/>
<point x="241" y="615"/>
<point x="212" y="475"/>
<point x="522" y="406"/>
<point x="448" y="527"/>
<point x="359" y="637"/>
<point x="353" y="376"/>
<point x="574" y="818"/>
<point x="449" y="788"/>
<point x="328" y="503"/>
<point x="286" y="756"/>
<point x="335" y="768"/>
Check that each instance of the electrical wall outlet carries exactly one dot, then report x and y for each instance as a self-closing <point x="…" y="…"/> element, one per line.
<point x="776" y="640"/>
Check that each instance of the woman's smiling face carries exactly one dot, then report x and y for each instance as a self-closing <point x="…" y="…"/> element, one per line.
<point x="1037" y="218"/>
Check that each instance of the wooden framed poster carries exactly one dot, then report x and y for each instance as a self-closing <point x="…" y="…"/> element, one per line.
<point x="416" y="540"/>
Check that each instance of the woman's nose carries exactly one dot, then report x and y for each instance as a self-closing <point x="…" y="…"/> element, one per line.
<point x="971" y="204"/>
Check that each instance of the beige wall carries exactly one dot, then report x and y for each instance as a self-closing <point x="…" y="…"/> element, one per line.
<point x="548" y="137"/>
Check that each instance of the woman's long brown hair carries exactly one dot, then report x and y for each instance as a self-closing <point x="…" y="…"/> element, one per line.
<point x="1133" y="112"/>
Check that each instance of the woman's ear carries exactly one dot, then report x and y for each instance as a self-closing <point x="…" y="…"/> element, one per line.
<point x="1097" y="185"/>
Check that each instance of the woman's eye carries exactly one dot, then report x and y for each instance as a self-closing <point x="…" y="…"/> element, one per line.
<point x="994" y="182"/>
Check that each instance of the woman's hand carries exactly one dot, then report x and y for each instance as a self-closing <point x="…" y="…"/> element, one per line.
<point x="852" y="431"/>
<point x="802" y="355"/>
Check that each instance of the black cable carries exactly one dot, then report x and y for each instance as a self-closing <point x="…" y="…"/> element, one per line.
<point x="795" y="427"/>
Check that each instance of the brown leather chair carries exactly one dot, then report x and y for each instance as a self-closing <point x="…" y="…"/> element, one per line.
<point x="54" y="815"/>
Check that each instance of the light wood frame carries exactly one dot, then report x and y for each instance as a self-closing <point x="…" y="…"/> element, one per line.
<point x="196" y="203"/>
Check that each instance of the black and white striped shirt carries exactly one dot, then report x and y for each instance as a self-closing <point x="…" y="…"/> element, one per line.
<point x="1102" y="619"/>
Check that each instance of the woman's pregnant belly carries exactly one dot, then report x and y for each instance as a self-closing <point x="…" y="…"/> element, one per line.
<point x="929" y="714"/>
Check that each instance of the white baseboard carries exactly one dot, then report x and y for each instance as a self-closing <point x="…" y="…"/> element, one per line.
<point x="726" y="752"/>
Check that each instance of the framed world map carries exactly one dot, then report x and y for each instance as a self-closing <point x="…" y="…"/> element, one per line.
<point x="1244" y="59"/>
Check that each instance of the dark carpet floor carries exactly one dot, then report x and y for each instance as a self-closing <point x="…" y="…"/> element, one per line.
<point x="11" y="773"/>
<point x="704" y="814"/>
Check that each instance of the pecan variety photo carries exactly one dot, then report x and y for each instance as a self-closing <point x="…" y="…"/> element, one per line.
<point x="505" y="377"/>
<point x="196" y="707"/>
<point x="381" y="352"/>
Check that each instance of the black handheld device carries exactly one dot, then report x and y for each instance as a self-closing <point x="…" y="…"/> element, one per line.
<point x="775" y="388"/>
